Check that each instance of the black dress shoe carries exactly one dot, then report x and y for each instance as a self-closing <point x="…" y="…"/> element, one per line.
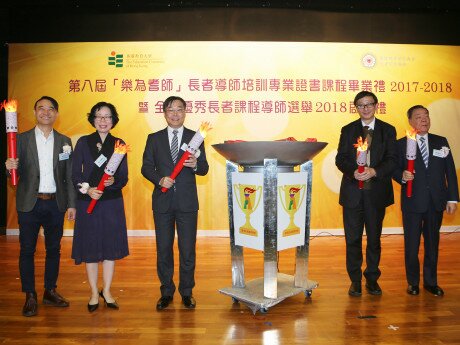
<point x="163" y="302"/>
<point x="51" y="297"/>
<point x="355" y="289"/>
<point x="435" y="290"/>
<point x="31" y="306"/>
<point x="413" y="290"/>
<point x="189" y="302"/>
<point x="92" y="307"/>
<point x="113" y="305"/>
<point x="373" y="288"/>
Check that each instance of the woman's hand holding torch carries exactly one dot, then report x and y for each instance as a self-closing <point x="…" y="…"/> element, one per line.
<point x="107" y="179"/>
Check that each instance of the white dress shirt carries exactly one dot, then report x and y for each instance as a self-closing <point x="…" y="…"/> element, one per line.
<point x="45" y="148"/>
<point x="370" y="125"/>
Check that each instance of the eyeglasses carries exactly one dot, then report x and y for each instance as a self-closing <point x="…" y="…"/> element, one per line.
<point x="175" y="111"/>
<point x="105" y="118"/>
<point x="365" y="106"/>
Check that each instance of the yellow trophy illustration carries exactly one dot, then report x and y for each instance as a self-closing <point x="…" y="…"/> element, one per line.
<point x="246" y="197"/>
<point x="292" y="200"/>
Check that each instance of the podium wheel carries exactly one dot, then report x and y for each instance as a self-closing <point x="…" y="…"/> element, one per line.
<point x="263" y="310"/>
<point x="308" y="293"/>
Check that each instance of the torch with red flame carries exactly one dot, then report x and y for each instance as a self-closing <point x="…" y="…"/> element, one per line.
<point x="411" y="154"/>
<point x="110" y="169"/>
<point x="361" y="157"/>
<point x="192" y="148"/>
<point x="11" y="132"/>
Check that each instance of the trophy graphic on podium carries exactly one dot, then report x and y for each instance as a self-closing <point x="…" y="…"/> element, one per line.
<point x="248" y="198"/>
<point x="291" y="203"/>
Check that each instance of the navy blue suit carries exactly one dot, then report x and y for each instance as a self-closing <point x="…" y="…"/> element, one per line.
<point x="178" y="206"/>
<point x="432" y="187"/>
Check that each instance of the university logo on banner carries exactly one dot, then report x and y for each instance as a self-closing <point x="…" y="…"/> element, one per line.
<point x="115" y="59"/>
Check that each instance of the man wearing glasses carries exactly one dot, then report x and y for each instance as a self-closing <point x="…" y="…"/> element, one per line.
<point x="178" y="206"/>
<point x="45" y="192"/>
<point x="366" y="206"/>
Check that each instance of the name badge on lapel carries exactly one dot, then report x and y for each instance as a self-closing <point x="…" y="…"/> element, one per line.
<point x="100" y="160"/>
<point x="63" y="156"/>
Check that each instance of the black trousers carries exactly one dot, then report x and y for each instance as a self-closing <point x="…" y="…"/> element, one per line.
<point x="45" y="213"/>
<point x="416" y="224"/>
<point x="354" y="221"/>
<point x="186" y="223"/>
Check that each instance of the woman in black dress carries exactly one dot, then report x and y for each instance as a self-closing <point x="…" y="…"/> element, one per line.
<point x="100" y="236"/>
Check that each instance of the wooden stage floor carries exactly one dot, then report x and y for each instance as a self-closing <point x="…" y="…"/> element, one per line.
<point x="330" y="316"/>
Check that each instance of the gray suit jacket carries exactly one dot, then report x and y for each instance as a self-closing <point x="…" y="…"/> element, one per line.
<point x="29" y="173"/>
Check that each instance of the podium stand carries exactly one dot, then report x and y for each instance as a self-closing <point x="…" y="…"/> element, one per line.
<point x="269" y="158"/>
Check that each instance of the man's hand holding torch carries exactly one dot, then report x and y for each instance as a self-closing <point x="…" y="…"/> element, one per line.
<point x="363" y="173"/>
<point x="11" y="121"/>
<point x="411" y="155"/>
<point x="189" y="158"/>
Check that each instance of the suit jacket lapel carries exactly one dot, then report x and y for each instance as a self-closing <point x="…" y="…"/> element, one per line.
<point x="430" y="145"/>
<point x="357" y="132"/>
<point x="164" y="143"/>
<point x="33" y="148"/>
<point x="377" y="138"/>
<point x="377" y="134"/>
<point x="56" y="147"/>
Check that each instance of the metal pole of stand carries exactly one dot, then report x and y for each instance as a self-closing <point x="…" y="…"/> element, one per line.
<point x="270" y="228"/>
<point x="302" y="252"/>
<point x="236" y="251"/>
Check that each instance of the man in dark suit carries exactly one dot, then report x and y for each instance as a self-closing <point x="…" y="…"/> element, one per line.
<point x="178" y="206"/>
<point x="365" y="207"/>
<point x="434" y="189"/>
<point x="44" y="193"/>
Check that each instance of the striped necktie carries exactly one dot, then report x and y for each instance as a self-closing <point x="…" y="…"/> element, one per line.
<point x="424" y="151"/>
<point x="174" y="146"/>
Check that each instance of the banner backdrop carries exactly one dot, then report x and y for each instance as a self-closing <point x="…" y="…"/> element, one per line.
<point x="248" y="91"/>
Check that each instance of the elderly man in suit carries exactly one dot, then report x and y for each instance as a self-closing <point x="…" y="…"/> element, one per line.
<point x="434" y="189"/>
<point x="176" y="207"/>
<point x="366" y="206"/>
<point x="44" y="193"/>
